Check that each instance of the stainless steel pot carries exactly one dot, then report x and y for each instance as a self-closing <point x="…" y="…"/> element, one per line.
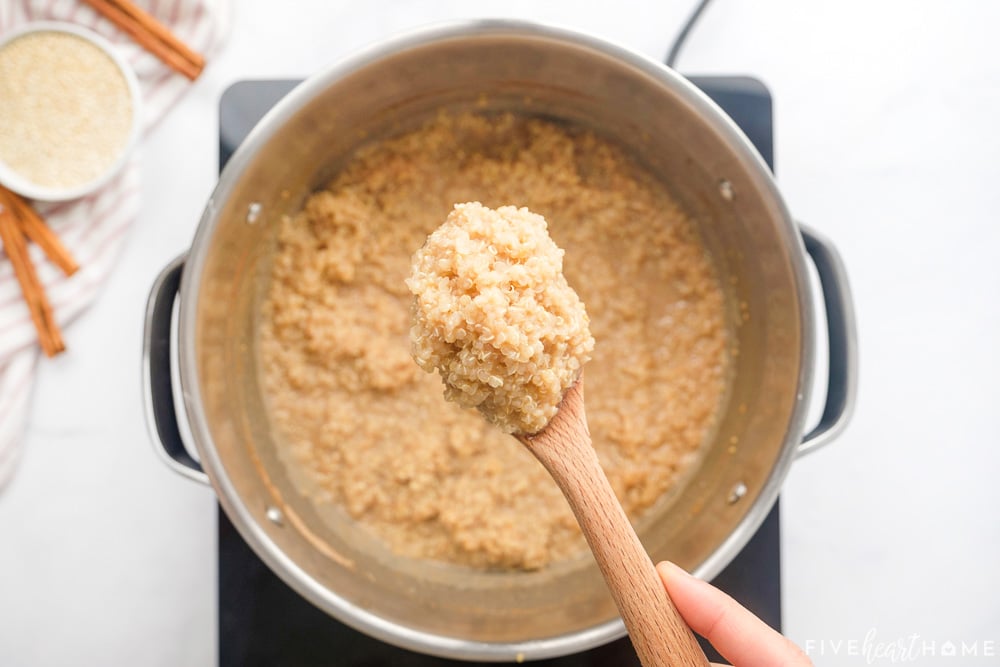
<point x="671" y="127"/>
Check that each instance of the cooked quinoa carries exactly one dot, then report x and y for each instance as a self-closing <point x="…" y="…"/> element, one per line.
<point x="371" y="434"/>
<point x="494" y="315"/>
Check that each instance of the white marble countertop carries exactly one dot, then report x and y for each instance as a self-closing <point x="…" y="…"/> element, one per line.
<point x="886" y="141"/>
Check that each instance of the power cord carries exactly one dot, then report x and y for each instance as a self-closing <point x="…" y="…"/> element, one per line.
<point x="682" y="36"/>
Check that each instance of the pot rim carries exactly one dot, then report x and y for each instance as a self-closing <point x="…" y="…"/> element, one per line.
<point x="345" y="611"/>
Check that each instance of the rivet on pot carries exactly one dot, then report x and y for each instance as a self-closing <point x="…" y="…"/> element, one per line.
<point x="726" y="190"/>
<point x="738" y="491"/>
<point x="275" y="516"/>
<point x="253" y="212"/>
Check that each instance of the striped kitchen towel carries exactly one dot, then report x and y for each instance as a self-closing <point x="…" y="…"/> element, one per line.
<point x="93" y="228"/>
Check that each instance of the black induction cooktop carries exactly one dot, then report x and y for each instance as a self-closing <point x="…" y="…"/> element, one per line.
<point x="264" y="622"/>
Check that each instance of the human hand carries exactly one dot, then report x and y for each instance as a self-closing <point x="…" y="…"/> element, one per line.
<point x="741" y="637"/>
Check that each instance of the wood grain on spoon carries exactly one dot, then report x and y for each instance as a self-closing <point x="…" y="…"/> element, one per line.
<point x="659" y="634"/>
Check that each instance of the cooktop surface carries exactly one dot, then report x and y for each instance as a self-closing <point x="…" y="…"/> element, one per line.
<point x="264" y="622"/>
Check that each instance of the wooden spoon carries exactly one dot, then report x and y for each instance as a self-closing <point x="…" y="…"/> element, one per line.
<point x="658" y="633"/>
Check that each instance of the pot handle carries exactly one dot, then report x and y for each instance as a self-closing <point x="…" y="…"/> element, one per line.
<point x="157" y="383"/>
<point x="842" y="382"/>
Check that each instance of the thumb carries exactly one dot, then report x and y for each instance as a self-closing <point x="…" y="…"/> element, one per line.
<point x="737" y="634"/>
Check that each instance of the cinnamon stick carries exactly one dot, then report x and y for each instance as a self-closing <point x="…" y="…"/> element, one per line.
<point x="34" y="228"/>
<point x="49" y="336"/>
<point x="151" y="35"/>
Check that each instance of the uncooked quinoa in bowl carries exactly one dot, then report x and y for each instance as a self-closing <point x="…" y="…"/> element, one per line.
<point x="372" y="434"/>
<point x="69" y="111"/>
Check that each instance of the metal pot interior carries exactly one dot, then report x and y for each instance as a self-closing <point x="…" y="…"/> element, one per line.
<point x="669" y="127"/>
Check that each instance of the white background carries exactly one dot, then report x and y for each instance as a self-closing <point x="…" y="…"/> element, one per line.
<point x="887" y="141"/>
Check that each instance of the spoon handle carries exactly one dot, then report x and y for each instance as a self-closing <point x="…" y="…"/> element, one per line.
<point x="658" y="633"/>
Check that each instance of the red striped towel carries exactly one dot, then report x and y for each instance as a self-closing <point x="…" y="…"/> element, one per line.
<point x="92" y="228"/>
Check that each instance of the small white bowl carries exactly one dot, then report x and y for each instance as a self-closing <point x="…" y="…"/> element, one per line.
<point x="18" y="183"/>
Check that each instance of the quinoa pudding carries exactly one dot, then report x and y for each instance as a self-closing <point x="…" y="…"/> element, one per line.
<point x="373" y="433"/>
<point x="494" y="316"/>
